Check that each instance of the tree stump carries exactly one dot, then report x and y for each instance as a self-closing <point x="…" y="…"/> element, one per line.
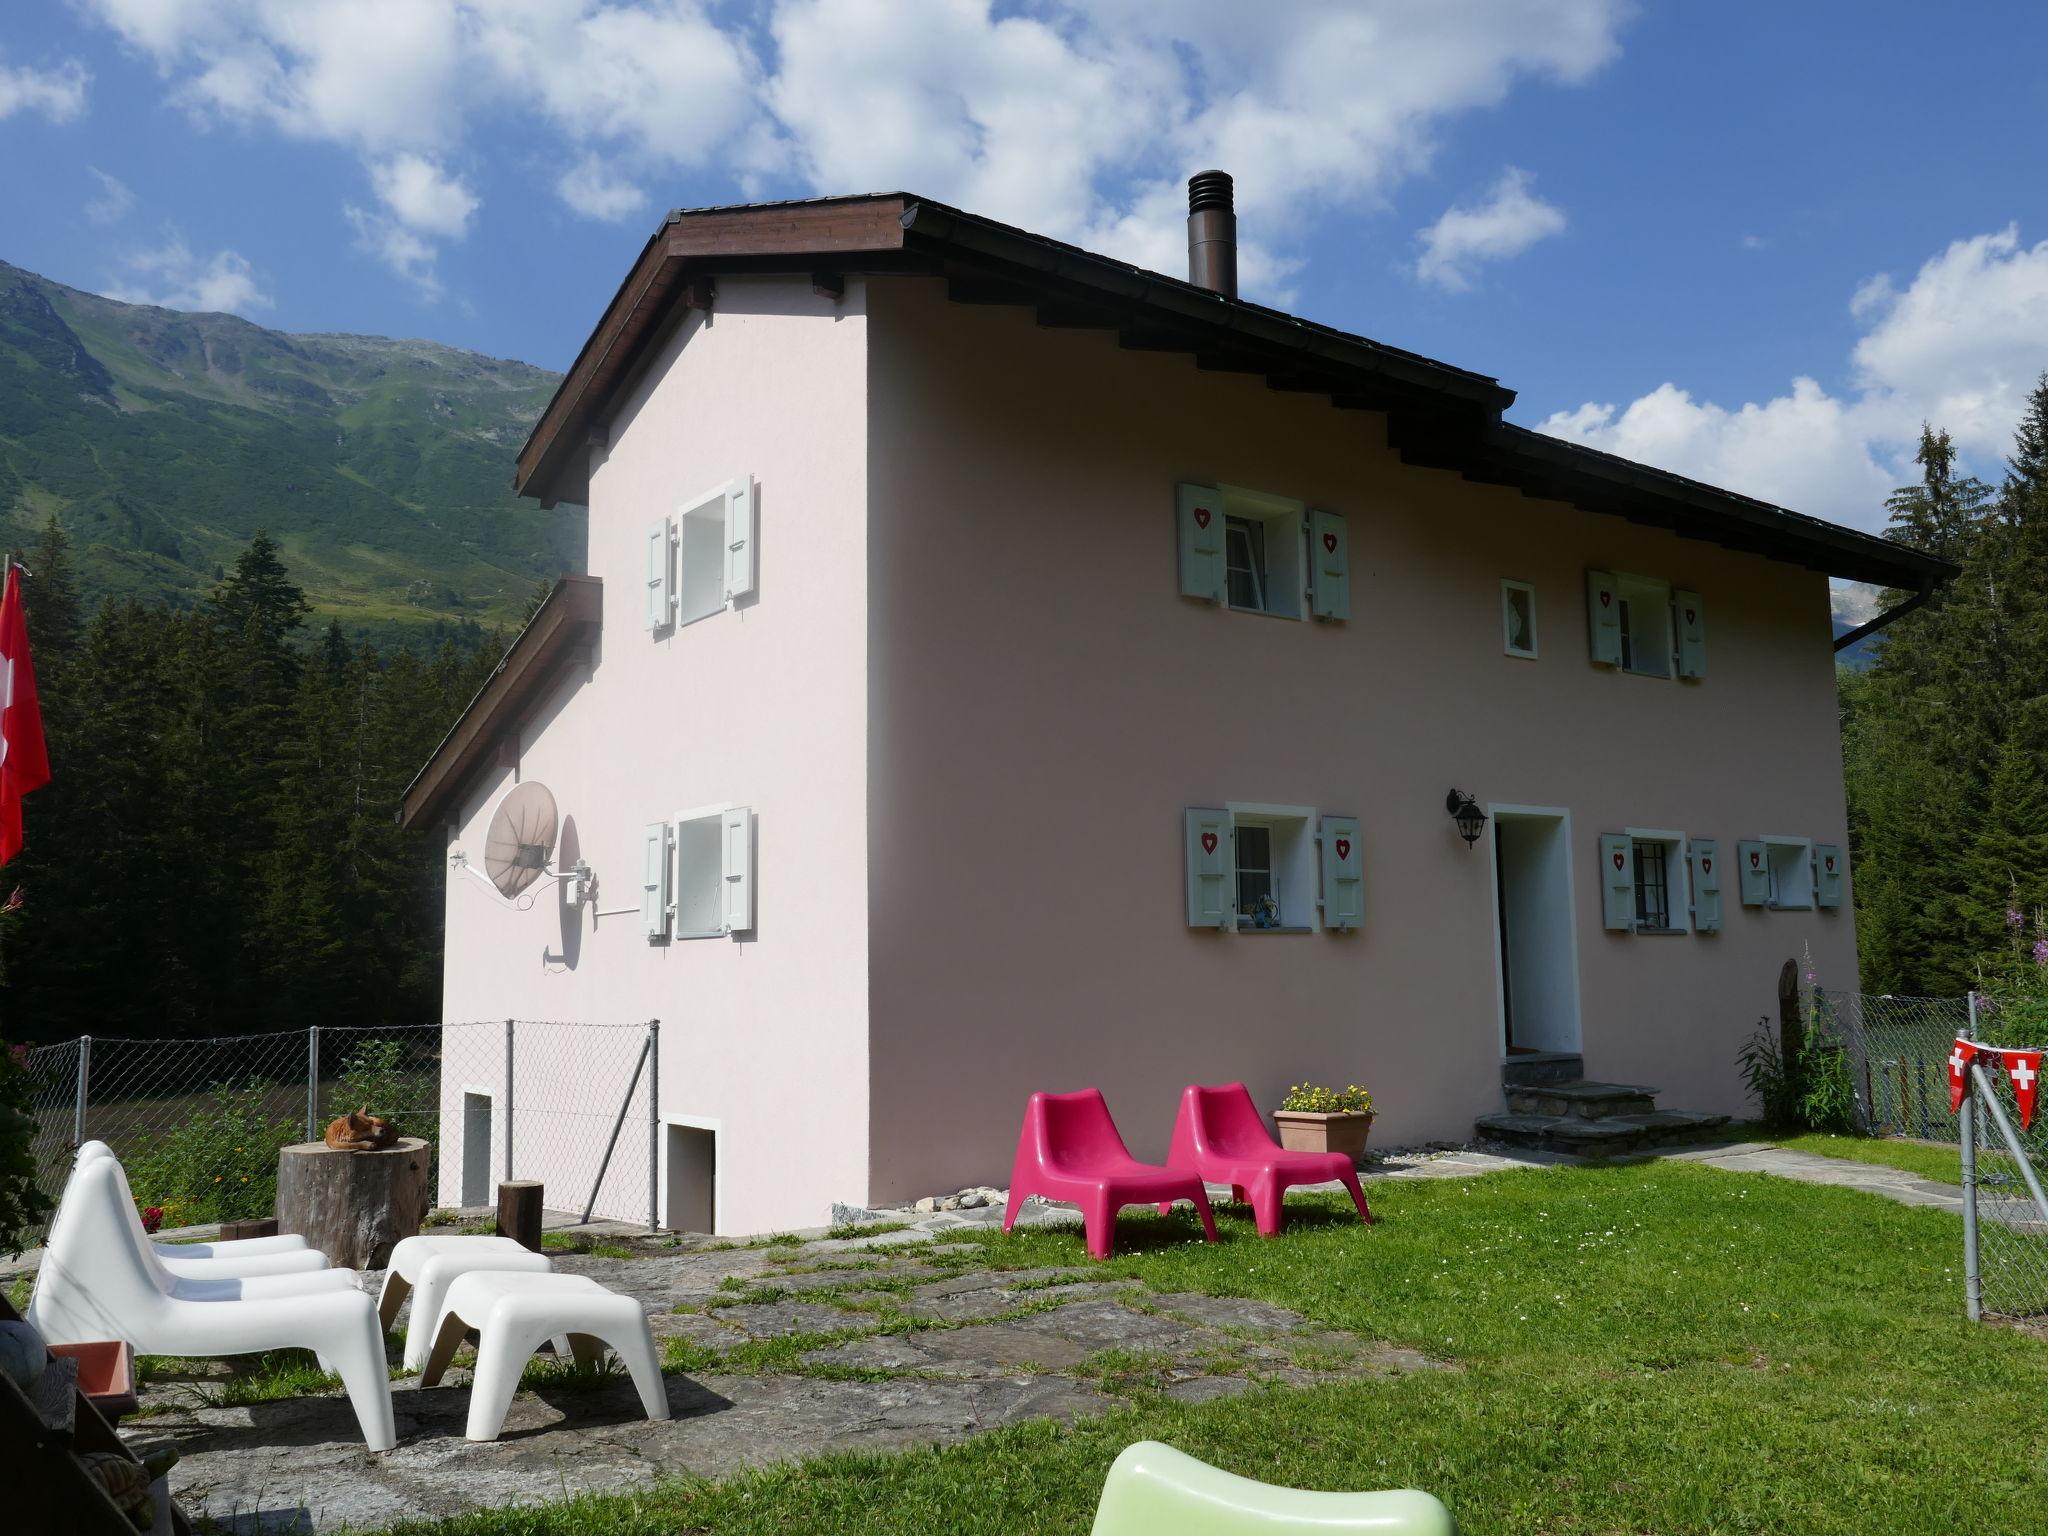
<point x="519" y="1212"/>
<point x="353" y="1206"/>
<point x="254" y="1226"/>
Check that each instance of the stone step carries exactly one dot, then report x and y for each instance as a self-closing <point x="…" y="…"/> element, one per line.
<point x="1583" y="1099"/>
<point x="1604" y="1137"/>
<point x="1542" y="1067"/>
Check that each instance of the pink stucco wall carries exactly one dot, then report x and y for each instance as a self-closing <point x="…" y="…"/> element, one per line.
<point x="764" y="705"/>
<point x="1045" y="704"/>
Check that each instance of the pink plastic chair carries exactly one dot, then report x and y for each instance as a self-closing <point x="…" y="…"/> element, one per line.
<point x="1069" y="1149"/>
<point x="1220" y="1136"/>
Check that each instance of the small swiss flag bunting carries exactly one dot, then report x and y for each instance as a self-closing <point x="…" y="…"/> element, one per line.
<point x="1959" y="1072"/>
<point x="2021" y="1068"/>
<point x="2024" y="1068"/>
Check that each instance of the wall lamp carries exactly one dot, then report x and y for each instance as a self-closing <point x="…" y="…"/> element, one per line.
<point x="1465" y="810"/>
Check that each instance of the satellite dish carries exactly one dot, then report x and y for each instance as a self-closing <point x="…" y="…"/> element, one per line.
<point x="521" y="838"/>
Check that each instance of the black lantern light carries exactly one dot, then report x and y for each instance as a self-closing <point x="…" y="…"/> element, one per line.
<point x="1471" y="820"/>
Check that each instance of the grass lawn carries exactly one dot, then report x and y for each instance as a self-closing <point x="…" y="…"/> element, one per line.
<point x="1660" y="1348"/>
<point x="1942" y="1164"/>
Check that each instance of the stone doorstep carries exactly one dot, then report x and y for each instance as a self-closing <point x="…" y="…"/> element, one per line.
<point x="1609" y="1134"/>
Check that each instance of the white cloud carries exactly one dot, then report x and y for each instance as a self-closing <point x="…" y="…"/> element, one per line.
<point x="593" y="189"/>
<point x="57" y="92"/>
<point x="1507" y="223"/>
<point x="402" y="250"/>
<point x="1080" y="120"/>
<point x="110" y="205"/>
<point x="422" y="196"/>
<point x="1960" y="347"/>
<point x="171" y="276"/>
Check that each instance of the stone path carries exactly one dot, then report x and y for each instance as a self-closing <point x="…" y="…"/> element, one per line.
<point x="774" y="1353"/>
<point x="1812" y="1168"/>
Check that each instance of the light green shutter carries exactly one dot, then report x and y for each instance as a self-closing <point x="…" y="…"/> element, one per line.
<point x="739" y="538"/>
<point x="1343" y="864"/>
<point x="1603" y="616"/>
<point x="1212" y="870"/>
<point x="1753" y="865"/>
<point x="661" y="576"/>
<point x="654" y="863"/>
<point x="1330" y="549"/>
<point x="737" y="869"/>
<point x="1200" y="518"/>
<point x="1617" y="882"/>
<point x="1828" y="865"/>
<point x="1706" y="885"/>
<point x="1692" y="634"/>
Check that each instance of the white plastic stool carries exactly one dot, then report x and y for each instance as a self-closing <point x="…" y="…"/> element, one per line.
<point x="427" y="1265"/>
<point x="513" y="1313"/>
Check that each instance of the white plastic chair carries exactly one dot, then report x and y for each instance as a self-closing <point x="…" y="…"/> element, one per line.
<point x="285" y="1254"/>
<point x="97" y="1281"/>
<point x="1154" y="1490"/>
<point x="427" y="1265"/>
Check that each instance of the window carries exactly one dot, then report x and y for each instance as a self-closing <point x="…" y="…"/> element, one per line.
<point x="1263" y="561"/>
<point x="1274" y="847"/>
<point x="712" y="550"/>
<point x="1653" y="886"/>
<point x="1256" y="903"/>
<point x="1244" y="562"/>
<point x="714" y="876"/>
<point x="1646" y="627"/>
<point x="1518" y="618"/>
<point x="1791" y="872"/>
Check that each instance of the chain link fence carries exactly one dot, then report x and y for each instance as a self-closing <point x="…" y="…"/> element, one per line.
<point x="1898" y="1057"/>
<point x="198" y="1122"/>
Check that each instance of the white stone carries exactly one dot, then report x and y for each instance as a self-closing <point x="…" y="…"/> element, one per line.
<point x="926" y="1206"/>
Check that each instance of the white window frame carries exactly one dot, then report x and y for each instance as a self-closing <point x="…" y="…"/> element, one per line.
<point x="715" y="814"/>
<point x="1507" y="644"/>
<point x="1284" y="521"/>
<point x="1798" y="853"/>
<point x="1631" y="593"/>
<point x="1677" y="875"/>
<point x="1297" y="873"/>
<point x="699" y="580"/>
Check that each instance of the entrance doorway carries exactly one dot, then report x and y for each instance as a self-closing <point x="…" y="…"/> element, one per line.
<point x="689" y="1178"/>
<point x="1538" y="955"/>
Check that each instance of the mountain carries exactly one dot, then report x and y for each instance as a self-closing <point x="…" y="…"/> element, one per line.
<point x="163" y="440"/>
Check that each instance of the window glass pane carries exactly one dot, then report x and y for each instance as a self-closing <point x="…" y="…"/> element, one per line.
<point x="1653" y="888"/>
<point x="1254" y="870"/>
<point x="1244" y="555"/>
<point x="1520" y="618"/>
<point x="1627" y="648"/>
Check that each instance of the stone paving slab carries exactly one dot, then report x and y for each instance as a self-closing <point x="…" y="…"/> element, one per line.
<point x="1811" y="1168"/>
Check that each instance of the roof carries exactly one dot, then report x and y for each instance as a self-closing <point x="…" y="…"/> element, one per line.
<point x="1438" y="416"/>
<point x="561" y="631"/>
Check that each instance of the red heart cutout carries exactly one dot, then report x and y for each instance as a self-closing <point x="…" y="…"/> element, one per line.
<point x="1706" y="866"/>
<point x="1755" y="859"/>
<point x="1330" y="542"/>
<point x="1201" y="517"/>
<point x="1831" y="866"/>
<point x="1618" y="861"/>
<point x="1343" y="847"/>
<point x="1208" y="842"/>
<point x="1691" y="617"/>
<point x="1606" y="598"/>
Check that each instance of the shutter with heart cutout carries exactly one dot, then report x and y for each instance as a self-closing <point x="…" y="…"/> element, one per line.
<point x="661" y="575"/>
<point x="1828" y="867"/>
<point x="1706" y="885"/>
<point x="1753" y="865"/>
<point x="1200" y="518"/>
<point x="1330" y="549"/>
<point x="1617" y="882"/>
<point x="739" y="538"/>
<point x="1603" y="617"/>
<point x="1692" y="634"/>
<point x="1343" y="885"/>
<point x="1212" y="870"/>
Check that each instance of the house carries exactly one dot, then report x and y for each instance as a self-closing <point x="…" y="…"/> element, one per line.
<point x="1001" y="668"/>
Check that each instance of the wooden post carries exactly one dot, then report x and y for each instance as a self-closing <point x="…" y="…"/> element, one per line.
<point x="255" y="1226"/>
<point x="353" y="1206"/>
<point x="519" y="1211"/>
<point x="1791" y="1029"/>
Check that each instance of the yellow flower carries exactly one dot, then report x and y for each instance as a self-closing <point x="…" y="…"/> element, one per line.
<point x="216" y="1178"/>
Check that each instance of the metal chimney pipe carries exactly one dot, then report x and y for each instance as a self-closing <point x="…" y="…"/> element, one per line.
<point x="1212" y="233"/>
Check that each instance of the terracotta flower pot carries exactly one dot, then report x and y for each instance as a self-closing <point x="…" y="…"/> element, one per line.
<point x="1308" y="1130"/>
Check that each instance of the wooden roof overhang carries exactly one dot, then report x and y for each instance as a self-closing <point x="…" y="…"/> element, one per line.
<point x="560" y="634"/>
<point x="1438" y="416"/>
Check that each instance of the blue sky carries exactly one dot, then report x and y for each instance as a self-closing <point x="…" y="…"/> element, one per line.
<point x="1653" y="222"/>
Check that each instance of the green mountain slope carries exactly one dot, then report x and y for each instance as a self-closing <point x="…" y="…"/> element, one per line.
<point x="163" y="440"/>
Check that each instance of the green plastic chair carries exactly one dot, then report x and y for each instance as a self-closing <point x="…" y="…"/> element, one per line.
<point x="1154" y="1490"/>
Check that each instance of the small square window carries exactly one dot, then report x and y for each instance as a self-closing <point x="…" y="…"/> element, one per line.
<point x="1274" y="849"/>
<point x="1518" y="618"/>
<point x="1264" y="553"/>
<point x="1791" y="870"/>
<point x="1647" y="630"/>
<point x="1660" y="889"/>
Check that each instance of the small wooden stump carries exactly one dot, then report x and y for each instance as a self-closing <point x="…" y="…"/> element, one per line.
<point x="519" y="1212"/>
<point x="353" y="1206"/>
<point x="255" y="1226"/>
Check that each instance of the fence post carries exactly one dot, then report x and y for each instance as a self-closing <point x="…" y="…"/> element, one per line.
<point x="654" y="1125"/>
<point x="508" y="1098"/>
<point x="84" y="1076"/>
<point x="312" y="1082"/>
<point x="1973" y="1274"/>
<point x="1790" y="1033"/>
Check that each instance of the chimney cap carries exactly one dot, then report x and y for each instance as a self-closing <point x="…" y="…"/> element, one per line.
<point x="1210" y="189"/>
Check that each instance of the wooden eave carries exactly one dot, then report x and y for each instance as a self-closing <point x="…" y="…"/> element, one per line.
<point x="1438" y="416"/>
<point x="560" y="633"/>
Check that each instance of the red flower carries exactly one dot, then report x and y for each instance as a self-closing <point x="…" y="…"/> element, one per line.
<point x="152" y="1217"/>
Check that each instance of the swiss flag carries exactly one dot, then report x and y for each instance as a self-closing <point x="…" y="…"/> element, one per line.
<point x="1959" y="1072"/>
<point x="24" y="763"/>
<point x="2024" y="1068"/>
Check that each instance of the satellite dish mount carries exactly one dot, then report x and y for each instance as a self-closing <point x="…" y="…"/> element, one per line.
<point x="519" y="845"/>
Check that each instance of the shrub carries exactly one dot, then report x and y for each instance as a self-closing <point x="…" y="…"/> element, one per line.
<point x="23" y="1205"/>
<point x="1815" y="1092"/>
<point x="378" y="1075"/>
<point x="1311" y="1098"/>
<point x="220" y="1163"/>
